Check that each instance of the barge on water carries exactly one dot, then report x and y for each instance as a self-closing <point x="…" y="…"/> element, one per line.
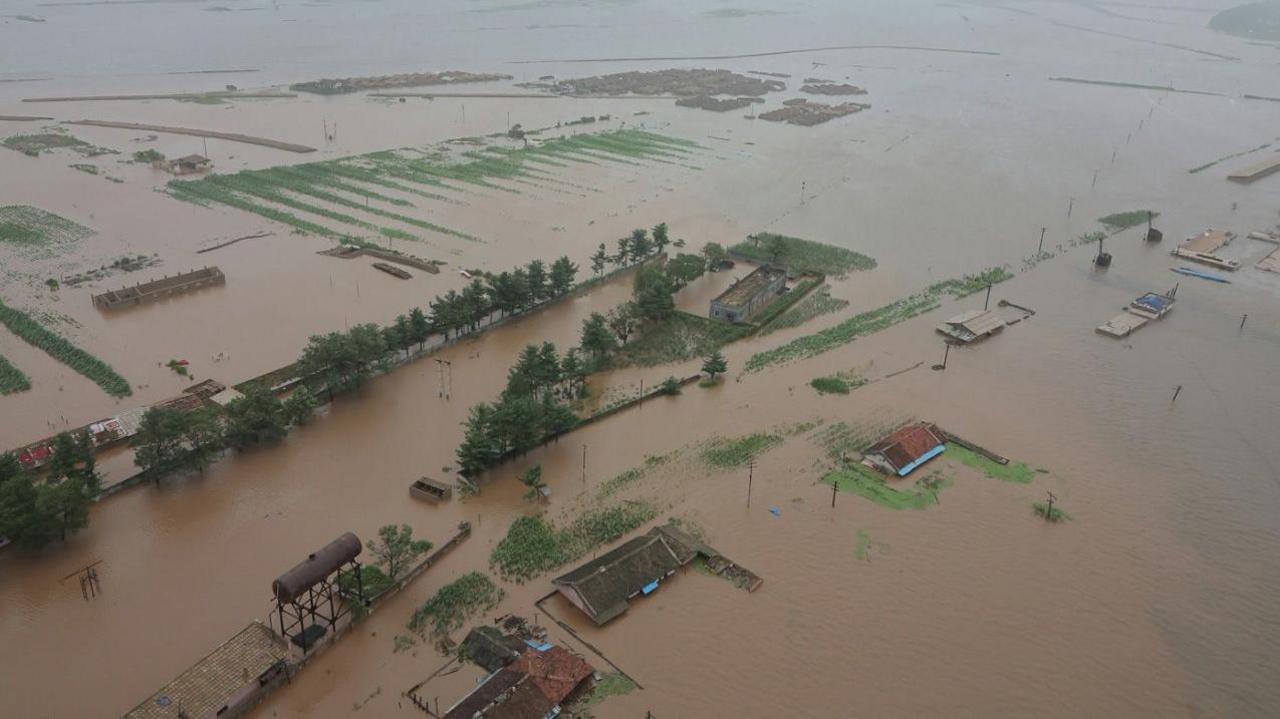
<point x="1201" y="248"/>
<point x="1256" y="172"/>
<point x="392" y="270"/>
<point x="429" y="490"/>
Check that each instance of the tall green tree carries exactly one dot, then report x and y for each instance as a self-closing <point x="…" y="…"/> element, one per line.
<point x="160" y="442"/>
<point x="532" y="478"/>
<point x="73" y="459"/>
<point x="641" y="247"/>
<point x="563" y="272"/>
<point x="255" y="419"/>
<point x="62" y="507"/>
<point x="479" y="448"/>
<point x="596" y="337"/>
<point x="396" y="549"/>
<point x="715" y="365"/>
<point x="622" y="321"/>
<point x="653" y="294"/>
<point x="599" y="259"/>
<point x="537" y="274"/>
<point x="776" y="246"/>
<point x="684" y="269"/>
<point x="624" y="251"/>
<point x="204" y="437"/>
<point x="714" y="252"/>
<point x="419" y="327"/>
<point x="660" y="237"/>
<point x="299" y="407"/>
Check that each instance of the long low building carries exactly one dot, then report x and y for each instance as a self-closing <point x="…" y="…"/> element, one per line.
<point x="972" y="326"/>
<point x="749" y="295"/>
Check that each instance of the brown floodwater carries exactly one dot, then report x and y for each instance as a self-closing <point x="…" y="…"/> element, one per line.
<point x="1153" y="601"/>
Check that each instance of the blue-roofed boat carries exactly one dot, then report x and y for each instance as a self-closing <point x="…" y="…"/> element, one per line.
<point x="1202" y="275"/>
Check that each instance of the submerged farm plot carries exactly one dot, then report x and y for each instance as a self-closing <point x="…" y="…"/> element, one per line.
<point x="802" y="255"/>
<point x="57" y="347"/>
<point x="34" y="233"/>
<point x="375" y="194"/>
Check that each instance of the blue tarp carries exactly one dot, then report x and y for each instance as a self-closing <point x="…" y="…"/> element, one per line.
<point x="650" y="587"/>
<point x="923" y="458"/>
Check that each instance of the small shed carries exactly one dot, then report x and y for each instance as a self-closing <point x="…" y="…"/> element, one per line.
<point x="190" y="165"/>
<point x="603" y="587"/>
<point x="972" y="326"/>
<point x="556" y="672"/>
<point x="906" y="448"/>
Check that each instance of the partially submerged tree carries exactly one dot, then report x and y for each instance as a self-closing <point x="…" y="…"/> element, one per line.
<point x="397" y="549"/>
<point x="596" y="337"/>
<point x="254" y="419"/>
<point x="532" y="478"/>
<point x="653" y="294"/>
<point x="299" y="407"/>
<point x="715" y="365"/>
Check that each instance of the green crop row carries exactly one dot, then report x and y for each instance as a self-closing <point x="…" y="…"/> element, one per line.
<point x="11" y="378"/>
<point x="456" y="602"/>
<point x="57" y="347"/>
<point x="203" y="194"/>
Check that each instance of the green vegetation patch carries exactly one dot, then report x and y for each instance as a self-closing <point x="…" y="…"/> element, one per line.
<point x="1053" y="514"/>
<point x="609" y="685"/>
<point x="375" y="582"/>
<point x="631" y="476"/>
<point x="737" y="452"/>
<point x="680" y="337"/>
<point x="784" y="303"/>
<point x="836" y="384"/>
<point x="33" y="333"/>
<point x="876" y="320"/>
<point x="864" y="482"/>
<point x="11" y="378"/>
<point x="1124" y="220"/>
<point x="30" y="228"/>
<point x="864" y="544"/>
<point x="533" y="545"/>
<point x="1011" y="472"/>
<point x="857" y="326"/>
<point x="802" y="255"/>
<point x="818" y="303"/>
<point x="455" y="603"/>
<point x="36" y="143"/>
<point x="85" y="168"/>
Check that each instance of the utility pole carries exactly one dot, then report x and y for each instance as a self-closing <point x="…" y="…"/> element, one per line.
<point x="584" y="465"/>
<point x="440" y="367"/>
<point x="986" y="304"/>
<point x="1242" y="319"/>
<point x="751" y="468"/>
<point x="835" y="484"/>
<point x="802" y="192"/>
<point x="1040" y="250"/>
<point x="1070" y="206"/>
<point x="1176" y="391"/>
<point x="1048" y="516"/>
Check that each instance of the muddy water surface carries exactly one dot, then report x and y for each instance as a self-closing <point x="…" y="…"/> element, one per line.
<point x="1151" y="602"/>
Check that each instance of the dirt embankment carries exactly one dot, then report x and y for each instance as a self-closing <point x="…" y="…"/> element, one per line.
<point x="684" y="83"/>
<point x="338" y="86"/>
<point x="831" y="88"/>
<point x="715" y="104"/>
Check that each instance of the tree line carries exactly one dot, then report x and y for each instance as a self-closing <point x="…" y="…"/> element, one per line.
<point x="34" y="513"/>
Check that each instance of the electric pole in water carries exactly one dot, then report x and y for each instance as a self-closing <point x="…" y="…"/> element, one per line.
<point x="1040" y="250"/>
<point x="751" y="468"/>
<point x="987" y="302"/>
<point x="1049" y="514"/>
<point x="445" y="389"/>
<point x="584" y="465"/>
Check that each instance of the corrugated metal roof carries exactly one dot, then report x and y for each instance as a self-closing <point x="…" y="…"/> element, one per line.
<point x="983" y="322"/>
<point x="908" y="444"/>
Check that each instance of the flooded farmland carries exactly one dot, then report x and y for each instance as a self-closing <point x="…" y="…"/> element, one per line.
<point x="1153" y="600"/>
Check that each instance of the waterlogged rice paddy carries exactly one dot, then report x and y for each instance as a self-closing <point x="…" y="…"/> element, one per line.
<point x="818" y="303"/>
<point x="35" y="233"/>
<point x="375" y="194"/>
<point x="682" y="336"/>
<point x="737" y="452"/>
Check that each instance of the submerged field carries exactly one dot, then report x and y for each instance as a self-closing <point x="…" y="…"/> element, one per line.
<point x="377" y="194"/>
